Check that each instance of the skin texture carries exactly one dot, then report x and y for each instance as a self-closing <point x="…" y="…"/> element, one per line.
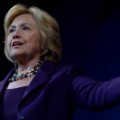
<point x="23" y="40"/>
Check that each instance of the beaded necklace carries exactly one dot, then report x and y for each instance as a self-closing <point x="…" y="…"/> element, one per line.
<point x="30" y="73"/>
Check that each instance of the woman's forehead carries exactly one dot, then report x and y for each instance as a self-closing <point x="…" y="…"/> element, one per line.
<point x="22" y="20"/>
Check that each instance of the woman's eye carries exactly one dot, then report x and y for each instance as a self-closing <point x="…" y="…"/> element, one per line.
<point x="26" y="28"/>
<point x="11" y="30"/>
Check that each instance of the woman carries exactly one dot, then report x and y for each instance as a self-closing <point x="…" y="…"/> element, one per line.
<point x="38" y="88"/>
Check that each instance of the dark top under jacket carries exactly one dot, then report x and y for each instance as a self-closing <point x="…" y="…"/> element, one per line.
<point x="11" y="100"/>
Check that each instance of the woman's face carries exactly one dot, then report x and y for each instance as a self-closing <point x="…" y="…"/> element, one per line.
<point x="23" y="39"/>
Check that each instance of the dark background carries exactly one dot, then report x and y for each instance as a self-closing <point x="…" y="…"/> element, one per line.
<point x="90" y="33"/>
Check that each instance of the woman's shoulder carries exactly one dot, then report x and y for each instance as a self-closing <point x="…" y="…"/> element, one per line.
<point x="1" y="83"/>
<point x="8" y="75"/>
<point x="70" y="68"/>
<point x="60" y="67"/>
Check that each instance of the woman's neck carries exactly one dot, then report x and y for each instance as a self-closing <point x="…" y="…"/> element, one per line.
<point x="27" y="65"/>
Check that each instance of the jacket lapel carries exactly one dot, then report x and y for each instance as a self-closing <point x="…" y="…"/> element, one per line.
<point x="5" y="81"/>
<point x="42" y="76"/>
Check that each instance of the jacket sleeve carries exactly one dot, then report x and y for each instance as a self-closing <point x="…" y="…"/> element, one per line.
<point x="91" y="94"/>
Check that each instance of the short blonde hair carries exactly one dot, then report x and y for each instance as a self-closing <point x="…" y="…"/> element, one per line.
<point x="48" y="28"/>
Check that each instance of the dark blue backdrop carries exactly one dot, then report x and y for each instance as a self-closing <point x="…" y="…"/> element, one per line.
<point x="90" y="33"/>
<point x="91" y="37"/>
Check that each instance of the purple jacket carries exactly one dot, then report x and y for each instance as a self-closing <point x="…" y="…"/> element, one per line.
<point x="56" y="91"/>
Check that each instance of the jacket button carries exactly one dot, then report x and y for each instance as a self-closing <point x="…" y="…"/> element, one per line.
<point x="21" y="117"/>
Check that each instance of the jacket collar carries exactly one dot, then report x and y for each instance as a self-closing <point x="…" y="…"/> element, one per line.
<point x="5" y="81"/>
<point x="42" y="76"/>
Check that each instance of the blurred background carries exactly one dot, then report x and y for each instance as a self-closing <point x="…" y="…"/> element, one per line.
<point x="90" y="34"/>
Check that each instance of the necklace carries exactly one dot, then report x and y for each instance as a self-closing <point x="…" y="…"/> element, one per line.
<point x="30" y="73"/>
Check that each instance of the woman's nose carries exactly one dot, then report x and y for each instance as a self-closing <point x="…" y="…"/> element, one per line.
<point x="16" y="34"/>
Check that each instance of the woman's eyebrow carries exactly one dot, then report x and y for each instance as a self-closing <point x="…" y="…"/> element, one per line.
<point x="22" y="24"/>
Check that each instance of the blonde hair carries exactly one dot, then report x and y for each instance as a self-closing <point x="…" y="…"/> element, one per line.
<point x="48" y="28"/>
